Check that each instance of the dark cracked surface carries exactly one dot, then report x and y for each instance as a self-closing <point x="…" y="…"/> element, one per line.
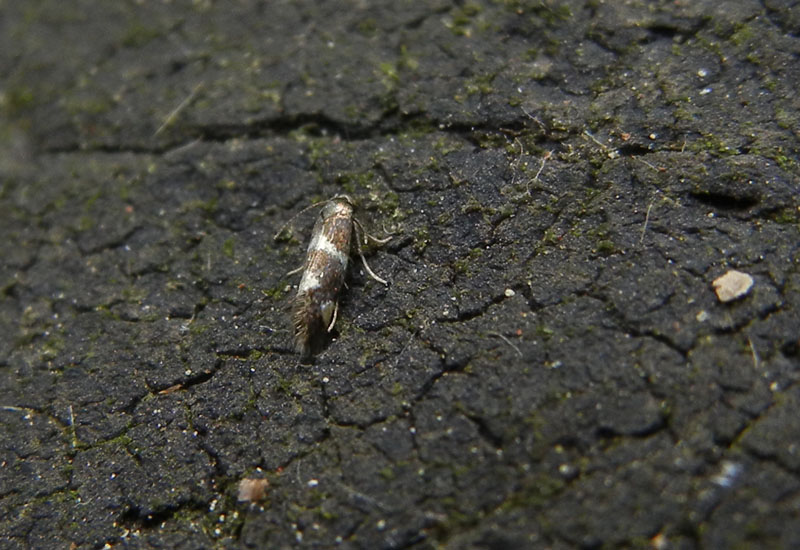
<point x="549" y="368"/>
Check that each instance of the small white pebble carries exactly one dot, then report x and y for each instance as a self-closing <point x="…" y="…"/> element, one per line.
<point x="509" y="292"/>
<point x="734" y="284"/>
<point x="252" y="489"/>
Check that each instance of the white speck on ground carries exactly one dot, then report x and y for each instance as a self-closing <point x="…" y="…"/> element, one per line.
<point x="734" y="284"/>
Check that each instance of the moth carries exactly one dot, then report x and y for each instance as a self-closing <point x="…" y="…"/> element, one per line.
<point x="316" y="305"/>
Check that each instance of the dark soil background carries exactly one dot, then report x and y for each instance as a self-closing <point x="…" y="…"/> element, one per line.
<point x="550" y="366"/>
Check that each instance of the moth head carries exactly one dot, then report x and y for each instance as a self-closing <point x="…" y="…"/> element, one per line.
<point x="341" y="205"/>
<point x="346" y="199"/>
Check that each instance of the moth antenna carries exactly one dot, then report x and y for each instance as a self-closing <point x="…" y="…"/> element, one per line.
<point x="293" y="218"/>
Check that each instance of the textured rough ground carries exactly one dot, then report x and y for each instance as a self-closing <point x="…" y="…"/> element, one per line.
<point x="550" y="367"/>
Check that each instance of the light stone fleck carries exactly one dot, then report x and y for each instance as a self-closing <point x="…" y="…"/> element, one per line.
<point x="734" y="284"/>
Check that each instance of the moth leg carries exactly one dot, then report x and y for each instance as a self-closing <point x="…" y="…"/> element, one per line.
<point x="295" y="271"/>
<point x="363" y="259"/>
<point x="368" y="236"/>
<point x="333" y="318"/>
<point x="376" y="239"/>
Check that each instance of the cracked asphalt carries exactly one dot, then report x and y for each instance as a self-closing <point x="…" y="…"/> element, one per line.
<point x="549" y="366"/>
